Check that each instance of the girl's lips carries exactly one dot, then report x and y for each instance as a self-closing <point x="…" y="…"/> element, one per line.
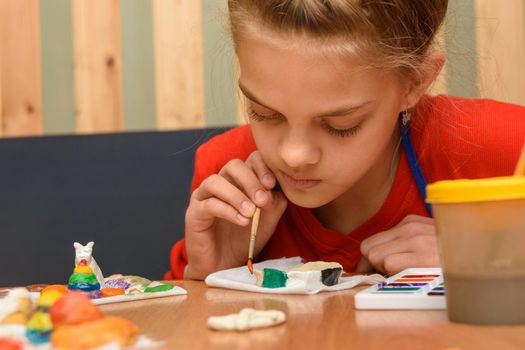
<point x="300" y="183"/>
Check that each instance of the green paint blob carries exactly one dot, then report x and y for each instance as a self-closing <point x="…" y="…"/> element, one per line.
<point x="160" y="288"/>
<point x="274" y="278"/>
<point x="81" y="278"/>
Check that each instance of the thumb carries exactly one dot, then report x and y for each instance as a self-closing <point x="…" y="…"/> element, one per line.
<point x="364" y="266"/>
<point x="270" y="216"/>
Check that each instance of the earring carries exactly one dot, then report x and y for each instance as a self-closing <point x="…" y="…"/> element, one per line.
<point x="405" y="116"/>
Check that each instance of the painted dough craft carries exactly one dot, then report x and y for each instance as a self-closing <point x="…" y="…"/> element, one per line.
<point x="290" y="277"/>
<point x="316" y="274"/>
<point x="246" y="319"/>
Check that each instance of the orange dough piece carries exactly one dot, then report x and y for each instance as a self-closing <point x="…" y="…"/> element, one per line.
<point x="109" y="292"/>
<point x="95" y="333"/>
<point x="62" y="288"/>
<point x="73" y="308"/>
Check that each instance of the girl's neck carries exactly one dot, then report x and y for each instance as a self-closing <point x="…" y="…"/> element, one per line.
<point x="359" y="204"/>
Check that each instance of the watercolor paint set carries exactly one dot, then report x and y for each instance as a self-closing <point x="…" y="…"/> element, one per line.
<point x="413" y="288"/>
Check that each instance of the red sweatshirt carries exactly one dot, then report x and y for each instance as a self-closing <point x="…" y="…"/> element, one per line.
<point x="453" y="138"/>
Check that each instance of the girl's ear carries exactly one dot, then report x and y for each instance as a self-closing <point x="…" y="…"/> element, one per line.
<point x="428" y="73"/>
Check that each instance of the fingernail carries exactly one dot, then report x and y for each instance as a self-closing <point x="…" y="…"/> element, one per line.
<point x="268" y="178"/>
<point x="241" y="219"/>
<point x="247" y="207"/>
<point x="260" y="196"/>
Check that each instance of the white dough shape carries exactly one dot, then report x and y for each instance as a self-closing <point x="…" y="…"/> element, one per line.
<point x="11" y="302"/>
<point x="246" y="319"/>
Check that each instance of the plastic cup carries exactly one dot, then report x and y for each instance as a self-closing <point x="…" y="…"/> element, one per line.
<point x="481" y="235"/>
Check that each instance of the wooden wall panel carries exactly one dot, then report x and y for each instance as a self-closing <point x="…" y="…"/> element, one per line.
<point x="440" y="85"/>
<point x="194" y="66"/>
<point x="501" y="49"/>
<point x="98" y="68"/>
<point x="20" y="68"/>
<point x="178" y="63"/>
<point x="220" y="84"/>
<point x="1" y="97"/>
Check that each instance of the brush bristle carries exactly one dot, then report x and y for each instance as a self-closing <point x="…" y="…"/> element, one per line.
<point x="250" y="265"/>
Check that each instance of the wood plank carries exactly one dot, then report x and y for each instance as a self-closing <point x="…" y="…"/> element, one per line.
<point x="460" y="38"/>
<point x="98" y="66"/>
<point x="138" y="67"/>
<point x="220" y="84"/>
<point x="501" y="49"/>
<point x="178" y="63"/>
<point x="440" y="85"/>
<point x="20" y="68"/>
<point x="242" y="116"/>
<point x="1" y="98"/>
<point x="58" y="87"/>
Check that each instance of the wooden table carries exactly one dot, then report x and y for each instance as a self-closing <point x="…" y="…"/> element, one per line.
<point x="323" y="321"/>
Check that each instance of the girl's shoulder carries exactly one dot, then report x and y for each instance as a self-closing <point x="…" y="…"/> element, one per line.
<point x="471" y="138"/>
<point x="442" y="110"/>
<point x="234" y="143"/>
<point x="211" y="156"/>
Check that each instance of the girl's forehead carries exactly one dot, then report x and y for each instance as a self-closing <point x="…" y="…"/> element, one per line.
<point x="303" y="43"/>
<point x="263" y="55"/>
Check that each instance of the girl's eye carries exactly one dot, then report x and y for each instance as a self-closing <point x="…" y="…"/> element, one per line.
<point x="341" y="132"/>
<point x="262" y="117"/>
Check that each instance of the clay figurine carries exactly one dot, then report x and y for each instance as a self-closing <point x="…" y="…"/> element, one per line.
<point x="86" y="253"/>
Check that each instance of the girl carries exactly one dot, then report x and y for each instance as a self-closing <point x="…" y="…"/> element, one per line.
<point x="335" y="91"/>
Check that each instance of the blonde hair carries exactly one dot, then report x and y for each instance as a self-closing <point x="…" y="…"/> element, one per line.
<point x="393" y="34"/>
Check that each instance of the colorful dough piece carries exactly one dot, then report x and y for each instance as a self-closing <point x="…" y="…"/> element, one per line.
<point x="154" y="287"/>
<point x="328" y="274"/>
<point x="330" y="271"/>
<point x="83" y="279"/>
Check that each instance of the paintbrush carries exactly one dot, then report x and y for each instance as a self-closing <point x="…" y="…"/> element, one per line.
<point x="253" y="233"/>
<point x="520" y="167"/>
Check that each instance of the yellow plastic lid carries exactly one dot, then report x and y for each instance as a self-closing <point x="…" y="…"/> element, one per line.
<point x="480" y="190"/>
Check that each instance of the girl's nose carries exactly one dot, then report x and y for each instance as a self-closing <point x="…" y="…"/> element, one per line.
<point x="299" y="150"/>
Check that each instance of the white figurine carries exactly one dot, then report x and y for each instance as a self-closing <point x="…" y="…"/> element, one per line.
<point x="85" y="252"/>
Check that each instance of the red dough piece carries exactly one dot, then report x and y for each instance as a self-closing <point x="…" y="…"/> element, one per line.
<point x="74" y="308"/>
<point x="10" y="344"/>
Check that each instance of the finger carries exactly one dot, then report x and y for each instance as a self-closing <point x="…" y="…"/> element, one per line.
<point x="364" y="266"/>
<point x="424" y="245"/>
<point x="239" y="173"/>
<point x="410" y="226"/>
<point x="396" y="263"/>
<point x="214" y="207"/>
<point x="379" y="253"/>
<point x="264" y="173"/>
<point x="416" y="244"/>
<point x="270" y="216"/>
<point x="217" y="186"/>
<point x="378" y="239"/>
<point x="416" y="218"/>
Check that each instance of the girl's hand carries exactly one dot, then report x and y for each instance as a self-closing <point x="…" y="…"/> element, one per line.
<point x="411" y="243"/>
<point x="218" y="216"/>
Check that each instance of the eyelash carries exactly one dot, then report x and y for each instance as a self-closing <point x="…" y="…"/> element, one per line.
<point x="332" y="131"/>
<point x="341" y="132"/>
<point x="260" y="118"/>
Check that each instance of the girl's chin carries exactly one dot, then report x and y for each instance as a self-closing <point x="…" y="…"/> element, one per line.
<point x="307" y="200"/>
